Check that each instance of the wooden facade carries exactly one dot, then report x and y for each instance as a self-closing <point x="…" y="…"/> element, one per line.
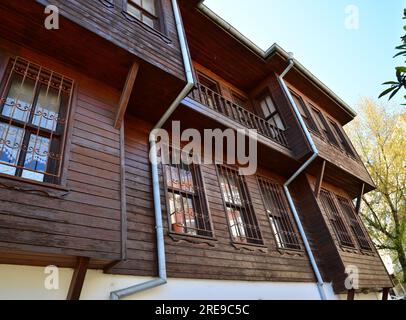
<point x="126" y="74"/>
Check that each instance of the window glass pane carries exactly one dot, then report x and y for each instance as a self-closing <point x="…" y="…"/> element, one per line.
<point x="148" y="21"/>
<point x="278" y="122"/>
<point x="149" y="5"/>
<point x="131" y="9"/>
<point x="10" y="145"/>
<point x="36" y="158"/>
<point x="230" y="190"/>
<point x="236" y="225"/>
<point x="47" y="109"/>
<point x="19" y="99"/>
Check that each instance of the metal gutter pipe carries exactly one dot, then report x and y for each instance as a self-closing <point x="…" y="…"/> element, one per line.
<point x="162" y="277"/>
<point x="320" y="282"/>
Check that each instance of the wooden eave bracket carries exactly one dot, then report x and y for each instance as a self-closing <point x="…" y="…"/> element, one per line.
<point x="126" y="94"/>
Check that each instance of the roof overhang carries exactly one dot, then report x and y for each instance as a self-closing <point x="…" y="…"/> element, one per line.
<point x="276" y="50"/>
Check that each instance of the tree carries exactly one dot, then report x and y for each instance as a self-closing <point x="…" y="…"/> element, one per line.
<point x="379" y="137"/>
<point x="395" y="86"/>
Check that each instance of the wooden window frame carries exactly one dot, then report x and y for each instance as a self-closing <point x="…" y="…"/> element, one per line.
<point x="336" y="218"/>
<point x="279" y="208"/>
<point x="356" y="226"/>
<point x="18" y="67"/>
<point x="261" y="97"/>
<point x="198" y="195"/>
<point x="158" y="17"/>
<point x="250" y="234"/>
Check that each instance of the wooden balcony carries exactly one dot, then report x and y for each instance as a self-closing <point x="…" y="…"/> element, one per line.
<point x="246" y="118"/>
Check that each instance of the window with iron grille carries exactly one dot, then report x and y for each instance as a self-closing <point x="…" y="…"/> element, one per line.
<point x="342" y="139"/>
<point x="240" y="214"/>
<point x="144" y="10"/>
<point x="357" y="230"/>
<point x="279" y="215"/>
<point x="34" y="109"/>
<point x="336" y="219"/>
<point x="304" y="111"/>
<point x="324" y="127"/>
<point x="188" y="211"/>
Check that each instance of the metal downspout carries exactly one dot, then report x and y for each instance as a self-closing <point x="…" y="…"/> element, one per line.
<point x="320" y="282"/>
<point x="162" y="278"/>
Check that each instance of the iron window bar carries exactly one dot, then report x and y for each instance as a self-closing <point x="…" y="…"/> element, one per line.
<point x="32" y="133"/>
<point x="336" y="219"/>
<point x="356" y="226"/>
<point x="187" y="208"/>
<point x="241" y="218"/>
<point x="279" y="214"/>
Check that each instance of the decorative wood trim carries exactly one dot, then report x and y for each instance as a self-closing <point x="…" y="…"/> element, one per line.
<point x="319" y="181"/>
<point x="126" y="94"/>
<point x="78" y="278"/>
<point x="289" y="252"/>
<point x="359" y="200"/>
<point x="248" y="247"/>
<point x="179" y="238"/>
<point x="123" y="195"/>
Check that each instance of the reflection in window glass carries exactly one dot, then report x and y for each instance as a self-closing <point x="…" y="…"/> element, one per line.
<point x="47" y="109"/>
<point x="19" y="99"/>
<point x="10" y="141"/>
<point x="36" y="158"/>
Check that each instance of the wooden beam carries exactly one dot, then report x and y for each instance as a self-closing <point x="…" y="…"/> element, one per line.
<point x="126" y="94"/>
<point x="319" y="181"/>
<point x="78" y="278"/>
<point x="359" y="200"/>
<point x="351" y="294"/>
<point x="385" y="294"/>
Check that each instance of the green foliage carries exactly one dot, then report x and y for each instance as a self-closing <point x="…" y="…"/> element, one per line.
<point x="396" y="86"/>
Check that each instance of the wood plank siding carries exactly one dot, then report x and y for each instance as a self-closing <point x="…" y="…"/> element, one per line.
<point x="192" y="257"/>
<point x="333" y="258"/>
<point x="125" y="76"/>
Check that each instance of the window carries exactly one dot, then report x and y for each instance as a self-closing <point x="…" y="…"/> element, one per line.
<point x="188" y="212"/>
<point x="34" y="109"/>
<point x="304" y="111"/>
<point x="342" y="139"/>
<point x="240" y="214"/>
<point x="355" y="224"/>
<point x="270" y="113"/>
<point x="210" y="90"/>
<point x="144" y="10"/>
<point x="336" y="219"/>
<point x="324" y="127"/>
<point x="279" y="215"/>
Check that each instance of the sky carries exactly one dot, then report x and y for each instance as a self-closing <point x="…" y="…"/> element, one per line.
<point x="347" y="44"/>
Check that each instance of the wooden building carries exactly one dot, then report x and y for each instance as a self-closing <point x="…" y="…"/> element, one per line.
<point x="78" y="104"/>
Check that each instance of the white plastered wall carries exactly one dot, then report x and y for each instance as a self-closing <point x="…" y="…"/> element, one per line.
<point x="21" y="282"/>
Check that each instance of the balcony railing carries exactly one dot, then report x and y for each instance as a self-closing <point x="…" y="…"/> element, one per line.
<point x="218" y="103"/>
